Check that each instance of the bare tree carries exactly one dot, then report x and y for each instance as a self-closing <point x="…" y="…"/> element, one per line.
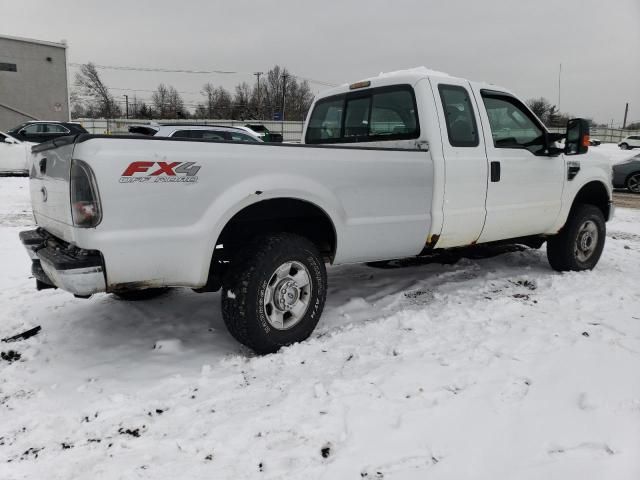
<point x="78" y="109"/>
<point x="218" y="101"/>
<point x="102" y="103"/>
<point x="544" y="110"/>
<point x="242" y="107"/>
<point x="175" y="104"/>
<point x="160" y="100"/>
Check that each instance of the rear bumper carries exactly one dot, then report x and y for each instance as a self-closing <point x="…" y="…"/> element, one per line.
<point x="62" y="265"/>
<point x="14" y="173"/>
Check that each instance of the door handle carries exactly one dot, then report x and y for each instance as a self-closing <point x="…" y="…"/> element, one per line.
<point x="495" y="171"/>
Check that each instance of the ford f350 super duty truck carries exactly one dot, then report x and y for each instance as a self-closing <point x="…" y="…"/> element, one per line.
<point x="392" y="166"/>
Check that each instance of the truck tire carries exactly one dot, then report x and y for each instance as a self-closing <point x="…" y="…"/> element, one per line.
<point x="274" y="292"/>
<point x="579" y="244"/>
<point x="138" y="295"/>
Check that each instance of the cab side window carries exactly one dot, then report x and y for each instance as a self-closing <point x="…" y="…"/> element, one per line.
<point x="511" y="124"/>
<point x="460" y="119"/>
<point x="393" y="113"/>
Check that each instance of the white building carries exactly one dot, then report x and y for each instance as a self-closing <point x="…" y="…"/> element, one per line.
<point x="33" y="81"/>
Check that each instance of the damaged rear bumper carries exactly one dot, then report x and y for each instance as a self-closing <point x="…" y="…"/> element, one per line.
<point x="58" y="264"/>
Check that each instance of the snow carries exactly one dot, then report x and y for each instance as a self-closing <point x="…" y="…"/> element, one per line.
<point x="613" y="152"/>
<point x="484" y="368"/>
<point x="413" y="71"/>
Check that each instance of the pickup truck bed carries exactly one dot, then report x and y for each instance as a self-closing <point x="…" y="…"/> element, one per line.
<point x="378" y="200"/>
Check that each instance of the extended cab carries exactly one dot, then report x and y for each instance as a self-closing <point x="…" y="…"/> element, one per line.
<point x="392" y="166"/>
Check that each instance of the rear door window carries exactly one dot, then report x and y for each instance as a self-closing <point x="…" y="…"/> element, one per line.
<point x="55" y="128"/>
<point x="459" y="117"/>
<point x="373" y="115"/>
<point x="182" y="134"/>
<point x="35" y="128"/>
<point x="200" y="134"/>
<point x="241" y="137"/>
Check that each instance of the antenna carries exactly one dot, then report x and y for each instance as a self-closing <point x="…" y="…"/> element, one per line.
<point x="559" y="87"/>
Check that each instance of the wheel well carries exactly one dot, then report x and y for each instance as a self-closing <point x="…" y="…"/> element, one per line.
<point x="280" y="215"/>
<point x="594" y="193"/>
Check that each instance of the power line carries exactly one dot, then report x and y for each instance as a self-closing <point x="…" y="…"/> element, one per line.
<point x="189" y="71"/>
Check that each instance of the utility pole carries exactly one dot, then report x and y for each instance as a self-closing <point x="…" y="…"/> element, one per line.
<point x="126" y="102"/>
<point x="257" y="74"/>
<point x="284" y="94"/>
<point x="626" y="112"/>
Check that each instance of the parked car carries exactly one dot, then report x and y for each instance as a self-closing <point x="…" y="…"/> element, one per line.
<point x="42" y="131"/>
<point x="14" y="155"/>
<point x="263" y="132"/>
<point x="594" y="142"/>
<point x="632" y="141"/>
<point x="413" y="166"/>
<point x="627" y="174"/>
<point x="195" y="132"/>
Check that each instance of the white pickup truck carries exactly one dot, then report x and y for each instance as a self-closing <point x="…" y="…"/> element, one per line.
<point x="392" y="166"/>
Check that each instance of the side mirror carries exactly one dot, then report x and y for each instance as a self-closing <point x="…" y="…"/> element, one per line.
<point x="577" y="138"/>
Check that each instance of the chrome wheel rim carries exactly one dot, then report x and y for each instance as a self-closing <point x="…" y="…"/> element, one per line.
<point x="287" y="296"/>
<point x="634" y="183"/>
<point x="586" y="241"/>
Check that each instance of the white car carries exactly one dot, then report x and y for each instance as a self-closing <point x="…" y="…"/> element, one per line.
<point x="14" y="155"/>
<point x="197" y="132"/>
<point x="632" y="141"/>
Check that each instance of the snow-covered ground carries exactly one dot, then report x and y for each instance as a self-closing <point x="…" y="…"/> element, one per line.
<point x="493" y="368"/>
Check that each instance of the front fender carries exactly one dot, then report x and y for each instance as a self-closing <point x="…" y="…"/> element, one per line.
<point x="593" y="168"/>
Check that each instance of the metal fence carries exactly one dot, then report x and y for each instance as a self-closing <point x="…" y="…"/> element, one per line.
<point x="604" y="134"/>
<point x="291" y="131"/>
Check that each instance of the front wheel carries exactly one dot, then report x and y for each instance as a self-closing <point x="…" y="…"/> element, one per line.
<point x="579" y="244"/>
<point x="633" y="183"/>
<point x="274" y="292"/>
<point x="624" y="146"/>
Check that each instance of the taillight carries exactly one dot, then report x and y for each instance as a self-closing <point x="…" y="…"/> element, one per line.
<point x="85" y="201"/>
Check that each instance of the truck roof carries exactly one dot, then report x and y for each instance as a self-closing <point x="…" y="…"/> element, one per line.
<point x="409" y="76"/>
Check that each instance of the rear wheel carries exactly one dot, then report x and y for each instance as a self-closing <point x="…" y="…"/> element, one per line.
<point x="274" y="292"/>
<point x="579" y="244"/>
<point x="633" y="182"/>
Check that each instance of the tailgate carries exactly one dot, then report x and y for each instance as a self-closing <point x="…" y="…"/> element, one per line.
<point x="49" y="186"/>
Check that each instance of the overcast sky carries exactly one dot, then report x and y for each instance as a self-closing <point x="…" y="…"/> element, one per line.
<point x="514" y="43"/>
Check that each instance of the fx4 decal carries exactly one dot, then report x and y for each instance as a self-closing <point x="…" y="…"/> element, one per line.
<point x="160" y="172"/>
